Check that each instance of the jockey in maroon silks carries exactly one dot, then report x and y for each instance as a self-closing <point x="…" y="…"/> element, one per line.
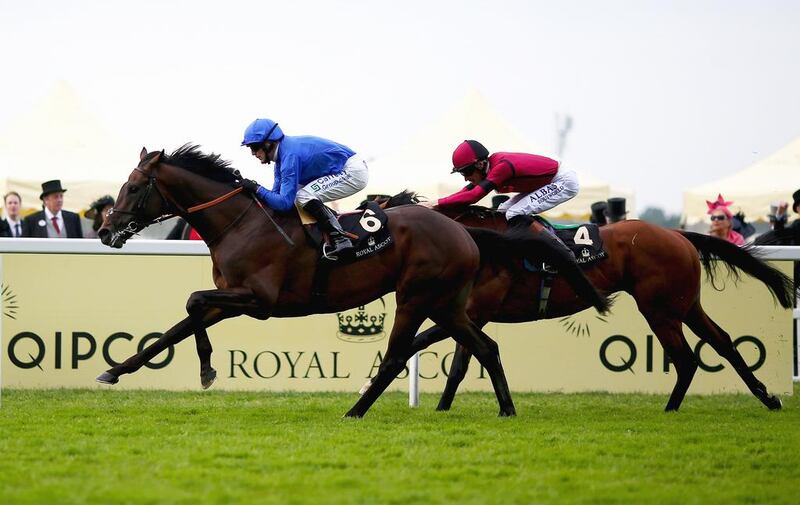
<point x="541" y="183"/>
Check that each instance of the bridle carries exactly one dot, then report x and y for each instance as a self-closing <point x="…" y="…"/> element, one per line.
<point x="139" y="222"/>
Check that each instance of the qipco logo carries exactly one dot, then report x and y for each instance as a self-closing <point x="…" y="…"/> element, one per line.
<point x="28" y="350"/>
<point x="619" y="353"/>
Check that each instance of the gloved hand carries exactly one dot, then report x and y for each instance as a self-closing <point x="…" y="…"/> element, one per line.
<point x="249" y="185"/>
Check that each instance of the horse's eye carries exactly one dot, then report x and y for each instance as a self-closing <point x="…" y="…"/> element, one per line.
<point x="133" y="189"/>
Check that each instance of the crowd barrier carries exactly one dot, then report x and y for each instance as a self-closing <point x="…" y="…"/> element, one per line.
<point x="72" y="308"/>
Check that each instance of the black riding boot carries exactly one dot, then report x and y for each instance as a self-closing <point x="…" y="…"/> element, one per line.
<point x="329" y="224"/>
<point x="524" y="221"/>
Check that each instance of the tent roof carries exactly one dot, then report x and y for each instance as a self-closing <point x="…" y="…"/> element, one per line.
<point x="422" y="164"/>
<point x="59" y="138"/>
<point x="752" y="189"/>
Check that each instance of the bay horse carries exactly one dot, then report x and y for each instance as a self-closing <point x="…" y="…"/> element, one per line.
<point x="263" y="266"/>
<point x="659" y="267"/>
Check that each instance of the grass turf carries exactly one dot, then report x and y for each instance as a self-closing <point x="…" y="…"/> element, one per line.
<point x="81" y="446"/>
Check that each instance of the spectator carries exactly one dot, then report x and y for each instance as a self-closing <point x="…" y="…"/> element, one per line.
<point x="97" y="212"/>
<point x="741" y="226"/>
<point x="11" y="226"/>
<point x="615" y="210"/>
<point x="52" y="221"/>
<point x="721" y="221"/>
<point x="599" y="213"/>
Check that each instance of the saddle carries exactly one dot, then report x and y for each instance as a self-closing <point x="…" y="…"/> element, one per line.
<point x="368" y="228"/>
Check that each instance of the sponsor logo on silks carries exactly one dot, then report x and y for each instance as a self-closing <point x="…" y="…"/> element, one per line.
<point x="362" y="325"/>
<point x="10" y="303"/>
<point x="315" y="187"/>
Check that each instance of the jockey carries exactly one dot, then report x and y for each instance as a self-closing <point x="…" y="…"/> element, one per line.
<point x="540" y="181"/>
<point x="308" y="171"/>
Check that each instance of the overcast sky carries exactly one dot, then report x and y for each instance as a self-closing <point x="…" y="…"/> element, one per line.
<point x="664" y="95"/>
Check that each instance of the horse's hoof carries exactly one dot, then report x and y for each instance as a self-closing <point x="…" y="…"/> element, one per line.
<point x="442" y="408"/>
<point x="508" y="413"/>
<point x="353" y="414"/>
<point x="775" y="403"/>
<point x="107" y="378"/>
<point x="208" y="378"/>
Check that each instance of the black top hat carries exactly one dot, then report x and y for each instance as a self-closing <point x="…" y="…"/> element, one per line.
<point x="796" y="198"/>
<point x="616" y="207"/>
<point x="598" y="213"/>
<point x="48" y="187"/>
<point x="98" y="205"/>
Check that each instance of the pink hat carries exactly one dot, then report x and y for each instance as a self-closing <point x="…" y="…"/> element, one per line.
<point x="720" y="204"/>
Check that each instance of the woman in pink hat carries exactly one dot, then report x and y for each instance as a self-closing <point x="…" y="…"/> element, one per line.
<point x="721" y="221"/>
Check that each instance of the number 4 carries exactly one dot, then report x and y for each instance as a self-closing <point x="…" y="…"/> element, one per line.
<point x="582" y="236"/>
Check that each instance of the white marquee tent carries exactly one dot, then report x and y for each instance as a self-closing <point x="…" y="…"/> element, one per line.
<point x="61" y="139"/>
<point x="423" y="163"/>
<point x="752" y="190"/>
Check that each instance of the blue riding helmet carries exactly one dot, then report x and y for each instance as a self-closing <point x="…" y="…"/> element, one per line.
<point x="262" y="130"/>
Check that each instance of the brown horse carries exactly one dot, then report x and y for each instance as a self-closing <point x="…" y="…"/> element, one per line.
<point x="264" y="267"/>
<point x="660" y="268"/>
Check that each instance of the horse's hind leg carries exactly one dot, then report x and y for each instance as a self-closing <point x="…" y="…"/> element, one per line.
<point x="458" y="370"/>
<point x="669" y="332"/>
<point x="709" y="331"/>
<point x="406" y="323"/>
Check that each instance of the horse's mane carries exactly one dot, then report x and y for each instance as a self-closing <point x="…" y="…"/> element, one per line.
<point x="189" y="157"/>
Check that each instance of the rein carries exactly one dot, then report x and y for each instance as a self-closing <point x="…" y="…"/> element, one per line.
<point x="214" y="201"/>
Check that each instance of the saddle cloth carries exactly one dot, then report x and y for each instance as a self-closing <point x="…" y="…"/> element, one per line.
<point x="582" y="239"/>
<point x="369" y="225"/>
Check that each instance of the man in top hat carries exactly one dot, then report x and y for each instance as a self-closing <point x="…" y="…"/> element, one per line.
<point x="52" y="221"/>
<point x="599" y="213"/>
<point x="615" y="210"/>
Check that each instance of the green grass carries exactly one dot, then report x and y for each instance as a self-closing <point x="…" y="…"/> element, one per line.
<point x="81" y="446"/>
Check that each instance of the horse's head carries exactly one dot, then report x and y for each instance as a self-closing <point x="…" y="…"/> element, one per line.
<point x="139" y="204"/>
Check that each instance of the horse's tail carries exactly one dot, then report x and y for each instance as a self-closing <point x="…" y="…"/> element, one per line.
<point x="741" y="258"/>
<point x="521" y="243"/>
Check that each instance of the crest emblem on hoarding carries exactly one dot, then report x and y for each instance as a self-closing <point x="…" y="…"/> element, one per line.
<point x="10" y="305"/>
<point x="363" y="324"/>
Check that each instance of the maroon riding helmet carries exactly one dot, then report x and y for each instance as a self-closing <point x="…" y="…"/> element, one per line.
<point x="467" y="154"/>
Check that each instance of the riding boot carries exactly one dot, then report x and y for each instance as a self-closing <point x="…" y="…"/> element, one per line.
<point x="328" y="223"/>
<point x="529" y="222"/>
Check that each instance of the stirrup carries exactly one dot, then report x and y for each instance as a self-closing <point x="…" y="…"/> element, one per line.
<point x="330" y="251"/>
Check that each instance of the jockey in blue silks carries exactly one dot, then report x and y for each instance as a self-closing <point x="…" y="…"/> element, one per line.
<point x="309" y="171"/>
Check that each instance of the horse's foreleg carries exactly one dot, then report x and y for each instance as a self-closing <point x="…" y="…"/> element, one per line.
<point x="406" y="324"/>
<point x="206" y="309"/>
<point x="171" y="337"/>
<point x="232" y="302"/>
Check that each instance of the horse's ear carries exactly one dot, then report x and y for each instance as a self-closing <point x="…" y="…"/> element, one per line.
<point x="142" y="153"/>
<point x="157" y="157"/>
